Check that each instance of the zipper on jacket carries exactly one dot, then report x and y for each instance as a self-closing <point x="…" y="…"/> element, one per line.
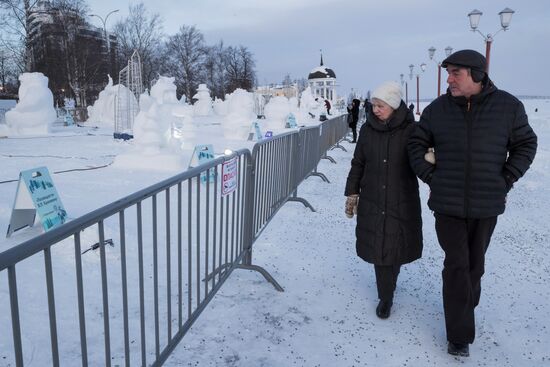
<point x="468" y="157"/>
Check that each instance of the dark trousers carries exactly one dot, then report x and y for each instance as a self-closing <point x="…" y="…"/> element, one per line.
<point x="464" y="242"/>
<point x="386" y="279"/>
<point x="354" y="131"/>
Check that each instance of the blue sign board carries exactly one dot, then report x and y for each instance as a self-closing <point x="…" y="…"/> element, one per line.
<point x="259" y="135"/>
<point x="290" y="121"/>
<point x="268" y="134"/>
<point x="36" y="193"/>
<point x="202" y="154"/>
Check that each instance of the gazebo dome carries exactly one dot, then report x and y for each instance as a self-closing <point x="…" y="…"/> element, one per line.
<point x="322" y="81"/>
<point x="321" y="72"/>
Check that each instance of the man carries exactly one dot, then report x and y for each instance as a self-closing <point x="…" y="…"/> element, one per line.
<point x="483" y="144"/>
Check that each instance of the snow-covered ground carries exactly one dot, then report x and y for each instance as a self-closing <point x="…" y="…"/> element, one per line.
<point x="326" y="315"/>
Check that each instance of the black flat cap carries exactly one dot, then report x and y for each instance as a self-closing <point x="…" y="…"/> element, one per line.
<point x="468" y="58"/>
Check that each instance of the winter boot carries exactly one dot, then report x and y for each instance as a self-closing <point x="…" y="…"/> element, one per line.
<point x="383" y="309"/>
<point x="458" y="349"/>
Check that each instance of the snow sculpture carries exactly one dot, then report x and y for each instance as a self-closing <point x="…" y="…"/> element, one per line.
<point x="103" y="110"/>
<point x="154" y="130"/>
<point x="276" y="112"/>
<point x="203" y="106"/>
<point x="240" y="114"/>
<point x="220" y="107"/>
<point x="153" y="127"/>
<point x="35" y="110"/>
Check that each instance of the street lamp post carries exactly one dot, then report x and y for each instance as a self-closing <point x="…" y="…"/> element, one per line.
<point x="411" y="67"/>
<point x="422" y="68"/>
<point x="104" y="21"/>
<point x="431" y="52"/>
<point x="402" y="83"/>
<point x="505" y="19"/>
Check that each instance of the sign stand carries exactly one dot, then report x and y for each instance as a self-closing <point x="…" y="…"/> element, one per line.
<point x="36" y="193"/>
<point x="202" y="154"/>
<point x="255" y="133"/>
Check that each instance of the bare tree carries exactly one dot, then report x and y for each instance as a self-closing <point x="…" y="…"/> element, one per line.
<point x="186" y="57"/>
<point x="15" y="25"/>
<point x="215" y="72"/>
<point x="7" y="70"/>
<point x="141" y="31"/>
<point x="240" y="66"/>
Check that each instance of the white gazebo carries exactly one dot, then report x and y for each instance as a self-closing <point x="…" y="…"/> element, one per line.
<point x="322" y="81"/>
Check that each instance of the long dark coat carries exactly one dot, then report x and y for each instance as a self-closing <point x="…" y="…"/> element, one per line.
<point x="482" y="146"/>
<point x="389" y="221"/>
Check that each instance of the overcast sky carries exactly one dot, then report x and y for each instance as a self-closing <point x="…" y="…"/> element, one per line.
<point x="366" y="42"/>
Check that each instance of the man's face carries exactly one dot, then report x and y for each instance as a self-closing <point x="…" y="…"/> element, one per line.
<point x="461" y="83"/>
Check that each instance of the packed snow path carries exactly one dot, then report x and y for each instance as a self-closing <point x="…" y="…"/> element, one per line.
<point x="326" y="315"/>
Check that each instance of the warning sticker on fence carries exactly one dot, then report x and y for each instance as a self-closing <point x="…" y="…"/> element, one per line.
<point x="229" y="176"/>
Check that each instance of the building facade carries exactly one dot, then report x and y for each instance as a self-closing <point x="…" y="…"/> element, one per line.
<point x="73" y="54"/>
<point x="322" y="82"/>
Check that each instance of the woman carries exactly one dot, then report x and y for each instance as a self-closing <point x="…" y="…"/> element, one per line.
<point x="382" y="190"/>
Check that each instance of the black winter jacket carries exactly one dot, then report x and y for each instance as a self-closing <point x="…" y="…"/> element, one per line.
<point x="482" y="146"/>
<point x="389" y="221"/>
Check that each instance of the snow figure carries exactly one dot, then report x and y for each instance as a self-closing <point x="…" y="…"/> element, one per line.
<point x="35" y="110"/>
<point x="103" y="110"/>
<point x="145" y="101"/>
<point x="156" y="145"/>
<point x="293" y="102"/>
<point x="203" y="106"/>
<point x="183" y="128"/>
<point x="240" y="114"/>
<point x="153" y="127"/>
<point x="276" y="112"/>
<point x="220" y="107"/>
<point x="310" y="109"/>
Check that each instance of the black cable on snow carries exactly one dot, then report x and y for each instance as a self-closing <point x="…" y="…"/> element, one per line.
<point x="68" y="170"/>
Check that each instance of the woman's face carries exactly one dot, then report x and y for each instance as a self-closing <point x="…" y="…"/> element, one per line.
<point x="381" y="109"/>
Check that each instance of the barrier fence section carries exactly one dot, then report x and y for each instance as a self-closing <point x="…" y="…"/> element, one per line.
<point x="160" y="256"/>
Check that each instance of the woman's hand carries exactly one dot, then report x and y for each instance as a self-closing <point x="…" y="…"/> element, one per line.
<point x="351" y="205"/>
<point x="430" y="156"/>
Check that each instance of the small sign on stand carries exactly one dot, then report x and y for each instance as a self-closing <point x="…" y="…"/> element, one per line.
<point x="268" y="134"/>
<point x="255" y="132"/>
<point x="202" y="154"/>
<point x="290" y="121"/>
<point x="229" y="176"/>
<point x="36" y="193"/>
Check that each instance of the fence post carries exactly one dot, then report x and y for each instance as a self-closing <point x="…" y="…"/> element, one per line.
<point x="250" y="180"/>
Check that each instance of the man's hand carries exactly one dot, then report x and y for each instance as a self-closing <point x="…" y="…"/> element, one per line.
<point x="351" y="205"/>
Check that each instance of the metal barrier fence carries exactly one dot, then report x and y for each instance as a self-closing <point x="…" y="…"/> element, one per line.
<point x="163" y="254"/>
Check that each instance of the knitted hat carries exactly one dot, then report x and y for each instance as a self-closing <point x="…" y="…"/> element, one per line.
<point x="389" y="92"/>
<point x="470" y="59"/>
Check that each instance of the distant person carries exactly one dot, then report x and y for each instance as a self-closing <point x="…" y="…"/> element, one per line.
<point x="411" y="111"/>
<point x="382" y="190"/>
<point x="327" y="106"/>
<point x="367" y="105"/>
<point x="536" y="110"/>
<point x="483" y="144"/>
<point x="353" y="117"/>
